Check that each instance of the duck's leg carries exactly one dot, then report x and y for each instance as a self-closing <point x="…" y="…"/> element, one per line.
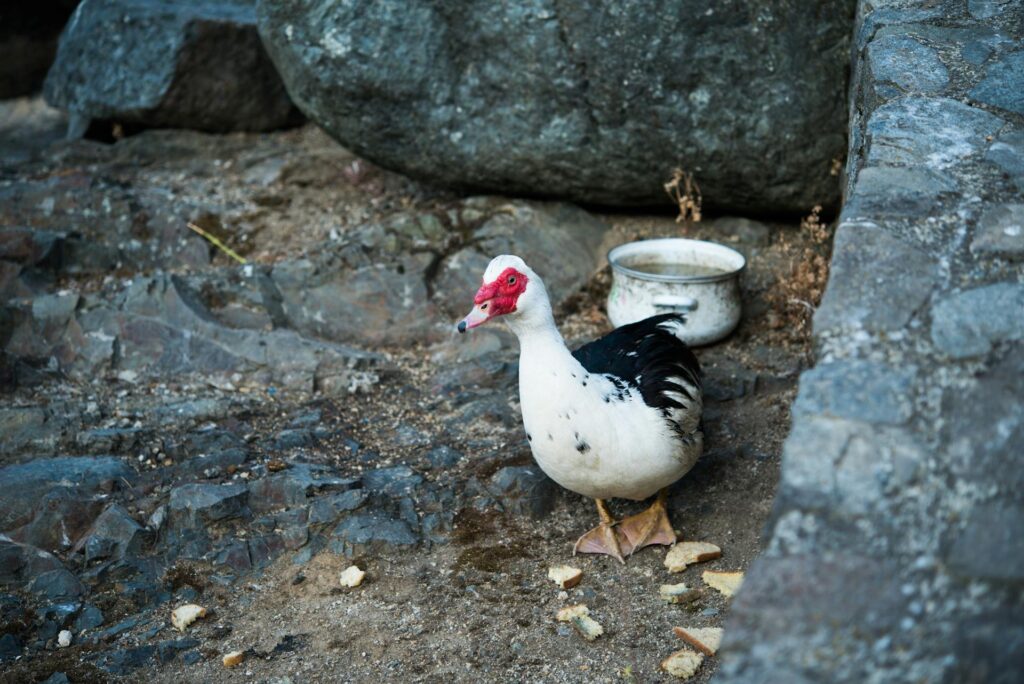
<point x="604" y="538"/>
<point x="650" y="527"/>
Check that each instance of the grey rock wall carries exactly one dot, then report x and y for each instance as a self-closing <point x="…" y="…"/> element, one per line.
<point x="896" y="548"/>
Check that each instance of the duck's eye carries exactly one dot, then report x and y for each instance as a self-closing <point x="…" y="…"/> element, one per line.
<point x="483" y="307"/>
<point x="511" y="280"/>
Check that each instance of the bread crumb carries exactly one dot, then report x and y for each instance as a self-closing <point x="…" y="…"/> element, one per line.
<point x="677" y="593"/>
<point x="234" y="658"/>
<point x="183" y="616"/>
<point x="564" y="576"/>
<point x="683" y="663"/>
<point x="688" y="553"/>
<point x="569" y="612"/>
<point x="726" y="582"/>
<point x="64" y="638"/>
<point x="579" y="616"/>
<point x="704" y="639"/>
<point x="352" y="576"/>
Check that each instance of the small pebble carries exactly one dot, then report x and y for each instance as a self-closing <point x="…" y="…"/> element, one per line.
<point x="64" y="638"/>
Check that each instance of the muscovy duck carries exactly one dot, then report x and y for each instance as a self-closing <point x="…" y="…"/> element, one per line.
<point x="617" y="418"/>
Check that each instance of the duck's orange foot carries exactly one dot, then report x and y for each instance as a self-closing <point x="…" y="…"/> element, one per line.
<point x="648" y="528"/>
<point x="606" y="539"/>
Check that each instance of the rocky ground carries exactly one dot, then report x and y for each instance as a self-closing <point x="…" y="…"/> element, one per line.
<point x="178" y="427"/>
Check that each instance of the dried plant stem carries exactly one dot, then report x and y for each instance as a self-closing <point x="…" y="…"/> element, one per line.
<point x="798" y="295"/>
<point x="685" y="192"/>
<point x="217" y="243"/>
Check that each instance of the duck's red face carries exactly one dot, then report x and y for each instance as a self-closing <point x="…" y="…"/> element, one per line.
<point x="496" y="298"/>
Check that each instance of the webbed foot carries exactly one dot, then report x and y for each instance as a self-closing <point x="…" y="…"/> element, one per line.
<point x="648" y="528"/>
<point x="605" y="538"/>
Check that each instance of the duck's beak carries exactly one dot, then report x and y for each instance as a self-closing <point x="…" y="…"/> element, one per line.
<point x="478" y="316"/>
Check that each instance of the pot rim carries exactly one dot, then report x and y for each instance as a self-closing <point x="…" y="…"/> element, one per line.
<point x="615" y="253"/>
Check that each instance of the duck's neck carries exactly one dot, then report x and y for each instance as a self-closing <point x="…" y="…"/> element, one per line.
<point x="536" y="327"/>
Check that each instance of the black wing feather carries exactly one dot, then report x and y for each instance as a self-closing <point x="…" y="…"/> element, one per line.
<point x="657" y="356"/>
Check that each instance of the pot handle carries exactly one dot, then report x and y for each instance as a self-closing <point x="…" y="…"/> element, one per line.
<point x="675" y="304"/>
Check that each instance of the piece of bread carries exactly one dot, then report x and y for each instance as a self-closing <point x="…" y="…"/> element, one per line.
<point x="677" y="593"/>
<point x="234" y="658"/>
<point x="704" y="639"/>
<point x="564" y="576"/>
<point x="183" y="616"/>
<point x="688" y="553"/>
<point x="683" y="663"/>
<point x="579" y="616"/>
<point x="351" y="576"/>
<point x="726" y="582"/>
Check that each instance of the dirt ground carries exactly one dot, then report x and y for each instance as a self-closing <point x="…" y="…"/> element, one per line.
<point x="480" y="608"/>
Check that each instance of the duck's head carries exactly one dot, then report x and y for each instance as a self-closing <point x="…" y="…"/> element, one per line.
<point x="510" y="288"/>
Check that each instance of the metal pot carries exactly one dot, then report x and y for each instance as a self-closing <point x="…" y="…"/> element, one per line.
<point x="710" y="302"/>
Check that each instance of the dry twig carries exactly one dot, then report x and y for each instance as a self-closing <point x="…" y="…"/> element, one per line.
<point x="217" y="243"/>
<point x="685" y="192"/>
<point x="799" y="294"/>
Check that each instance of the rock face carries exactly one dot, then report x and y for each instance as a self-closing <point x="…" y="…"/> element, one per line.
<point x="370" y="277"/>
<point x="596" y="104"/>
<point x="898" y="521"/>
<point x="384" y="287"/>
<point x="399" y="281"/>
<point x="971" y="323"/>
<point x="24" y="487"/>
<point x="168" y="64"/>
<point x="20" y="563"/>
<point x="195" y="504"/>
<point x="114" y="534"/>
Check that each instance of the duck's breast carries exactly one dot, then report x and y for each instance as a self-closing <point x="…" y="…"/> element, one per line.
<point x="596" y="436"/>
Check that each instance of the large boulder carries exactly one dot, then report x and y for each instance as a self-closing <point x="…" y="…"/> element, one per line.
<point x="591" y="102"/>
<point x="168" y="64"/>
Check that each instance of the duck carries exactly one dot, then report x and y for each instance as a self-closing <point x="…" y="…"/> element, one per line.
<point x="617" y="418"/>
